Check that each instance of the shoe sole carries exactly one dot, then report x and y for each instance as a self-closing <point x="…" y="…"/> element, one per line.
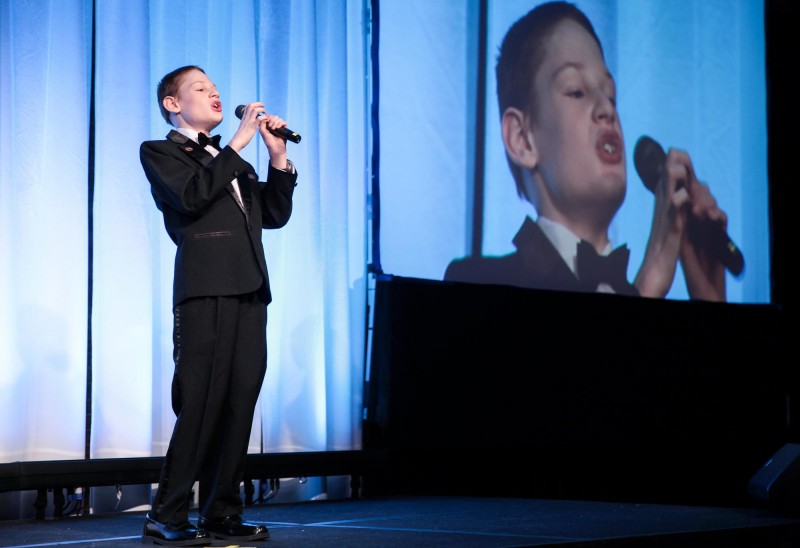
<point x="146" y="539"/>
<point x="260" y="536"/>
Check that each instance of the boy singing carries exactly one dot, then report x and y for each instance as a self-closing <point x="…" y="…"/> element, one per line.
<point x="214" y="209"/>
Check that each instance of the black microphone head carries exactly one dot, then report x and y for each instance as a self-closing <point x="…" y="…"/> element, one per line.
<point x="648" y="158"/>
<point x="239" y="112"/>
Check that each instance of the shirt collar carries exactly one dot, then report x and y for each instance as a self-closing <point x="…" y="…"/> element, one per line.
<point x="564" y="240"/>
<point x="190" y="133"/>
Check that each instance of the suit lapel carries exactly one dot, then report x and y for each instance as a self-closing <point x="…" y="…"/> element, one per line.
<point x="541" y="258"/>
<point x="192" y="149"/>
<point x="203" y="157"/>
<point x="245" y="181"/>
<point x="244" y="192"/>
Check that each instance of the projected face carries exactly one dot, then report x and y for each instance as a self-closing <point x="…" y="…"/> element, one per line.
<point x="579" y="176"/>
<point x="196" y="104"/>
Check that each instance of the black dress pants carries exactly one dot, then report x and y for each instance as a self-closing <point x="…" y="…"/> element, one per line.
<point x="220" y="353"/>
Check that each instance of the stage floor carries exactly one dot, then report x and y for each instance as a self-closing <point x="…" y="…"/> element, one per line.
<point x="451" y="521"/>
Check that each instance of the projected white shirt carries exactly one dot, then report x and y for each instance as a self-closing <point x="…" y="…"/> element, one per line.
<point x="566" y="243"/>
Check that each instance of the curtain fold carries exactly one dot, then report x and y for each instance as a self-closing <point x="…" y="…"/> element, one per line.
<point x="313" y="342"/>
<point x="44" y="104"/>
<point x="126" y="238"/>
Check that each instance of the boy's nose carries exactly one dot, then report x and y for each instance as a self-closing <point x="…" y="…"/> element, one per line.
<point x="604" y="109"/>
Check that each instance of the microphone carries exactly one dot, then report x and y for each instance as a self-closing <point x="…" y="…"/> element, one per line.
<point x="649" y="159"/>
<point x="284" y="132"/>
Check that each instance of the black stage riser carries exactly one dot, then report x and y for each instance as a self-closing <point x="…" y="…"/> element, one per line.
<point x="538" y="393"/>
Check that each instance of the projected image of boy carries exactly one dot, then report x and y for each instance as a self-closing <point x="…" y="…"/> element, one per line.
<point x="565" y="147"/>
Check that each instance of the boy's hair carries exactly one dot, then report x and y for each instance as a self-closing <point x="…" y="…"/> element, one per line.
<point x="522" y="53"/>
<point x="168" y="86"/>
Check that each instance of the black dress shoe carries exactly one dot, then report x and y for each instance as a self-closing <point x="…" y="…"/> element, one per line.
<point x="184" y="534"/>
<point x="233" y="528"/>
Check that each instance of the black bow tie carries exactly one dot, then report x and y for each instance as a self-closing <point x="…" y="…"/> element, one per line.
<point x="594" y="269"/>
<point x="205" y="140"/>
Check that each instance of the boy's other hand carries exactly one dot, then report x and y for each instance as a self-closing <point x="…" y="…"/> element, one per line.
<point x="682" y="202"/>
<point x="704" y="272"/>
<point x="248" y="126"/>
<point x="276" y="146"/>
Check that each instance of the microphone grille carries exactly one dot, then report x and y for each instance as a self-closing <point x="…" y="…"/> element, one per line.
<point x="648" y="158"/>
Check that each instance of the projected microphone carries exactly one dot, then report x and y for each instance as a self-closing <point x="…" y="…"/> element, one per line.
<point x="649" y="159"/>
<point x="284" y="132"/>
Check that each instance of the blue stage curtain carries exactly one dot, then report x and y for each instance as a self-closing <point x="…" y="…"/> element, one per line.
<point x="305" y="60"/>
<point x="44" y="130"/>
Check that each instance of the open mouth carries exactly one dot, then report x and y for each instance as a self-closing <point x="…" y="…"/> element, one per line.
<point x="216" y="106"/>
<point x="609" y="147"/>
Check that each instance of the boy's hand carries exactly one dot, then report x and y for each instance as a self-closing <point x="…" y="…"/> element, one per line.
<point x="681" y="203"/>
<point x="704" y="273"/>
<point x="276" y="146"/>
<point x="255" y="118"/>
<point x="247" y="127"/>
<point x="669" y="219"/>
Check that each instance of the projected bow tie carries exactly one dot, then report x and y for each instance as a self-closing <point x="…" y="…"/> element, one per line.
<point x="204" y="140"/>
<point x="594" y="269"/>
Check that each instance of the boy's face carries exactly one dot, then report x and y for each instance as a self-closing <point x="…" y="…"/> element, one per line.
<point x="576" y="129"/>
<point x="196" y="104"/>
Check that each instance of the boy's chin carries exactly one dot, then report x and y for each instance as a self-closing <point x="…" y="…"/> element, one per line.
<point x="613" y="187"/>
<point x="609" y="197"/>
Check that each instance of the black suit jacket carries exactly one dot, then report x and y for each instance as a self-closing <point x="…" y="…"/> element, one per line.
<point x="536" y="264"/>
<point x="219" y="250"/>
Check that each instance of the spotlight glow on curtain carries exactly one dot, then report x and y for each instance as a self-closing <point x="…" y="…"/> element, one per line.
<point x="44" y="104"/>
<point x="305" y="60"/>
<point x="306" y="63"/>
<point x="126" y="297"/>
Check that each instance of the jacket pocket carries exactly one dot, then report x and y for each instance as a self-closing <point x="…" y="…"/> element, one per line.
<point x="220" y="234"/>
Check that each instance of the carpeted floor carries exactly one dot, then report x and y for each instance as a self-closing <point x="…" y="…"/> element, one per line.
<point x="452" y="522"/>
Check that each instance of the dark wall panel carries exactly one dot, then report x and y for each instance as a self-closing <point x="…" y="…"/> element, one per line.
<point x="503" y="391"/>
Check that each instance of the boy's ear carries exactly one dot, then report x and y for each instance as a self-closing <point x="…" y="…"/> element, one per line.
<point x="518" y="138"/>
<point x="171" y="104"/>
